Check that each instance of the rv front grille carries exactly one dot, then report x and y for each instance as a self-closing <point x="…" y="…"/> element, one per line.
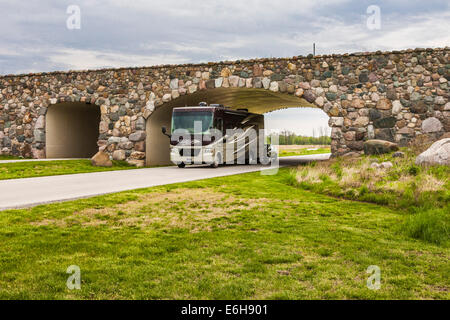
<point x="188" y="152"/>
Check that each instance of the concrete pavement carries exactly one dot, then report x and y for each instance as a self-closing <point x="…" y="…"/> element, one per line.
<point x="28" y="192"/>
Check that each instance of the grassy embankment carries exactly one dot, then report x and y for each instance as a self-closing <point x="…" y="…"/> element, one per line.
<point x="29" y="169"/>
<point x="247" y="236"/>
<point x="5" y="157"/>
<point x="422" y="192"/>
<point x="299" y="150"/>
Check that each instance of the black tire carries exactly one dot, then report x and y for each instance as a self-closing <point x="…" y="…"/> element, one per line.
<point x="217" y="161"/>
<point x="251" y="159"/>
<point x="181" y="165"/>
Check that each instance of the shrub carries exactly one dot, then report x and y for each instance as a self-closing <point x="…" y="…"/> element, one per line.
<point x="337" y="169"/>
<point x="350" y="193"/>
<point x="363" y="190"/>
<point x="432" y="225"/>
<point x="414" y="170"/>
<point x="291" y="178"/>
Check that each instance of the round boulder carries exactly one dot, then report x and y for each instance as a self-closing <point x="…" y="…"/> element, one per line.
<point x="431" y="124"/>
<point x="379" y="147"/>
<point x="437" y="154"/>
<point x="101" y="159"/>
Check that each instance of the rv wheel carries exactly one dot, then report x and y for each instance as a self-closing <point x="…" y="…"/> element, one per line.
<point x="181" y="165"/>
<point x="217" y="161"/>
<point x="252" y="159"/>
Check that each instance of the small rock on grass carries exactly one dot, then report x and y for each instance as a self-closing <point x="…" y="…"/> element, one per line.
<point x="352" y="154"/>
<point x="383" y="165"/>
<point x="398" y="154"/>
<point x="374" y="165"/>
<point x="373" y="147"/>
<point x="101" y="159"/>
<point x="283" y="272"/>
<point x="386" y="164"/>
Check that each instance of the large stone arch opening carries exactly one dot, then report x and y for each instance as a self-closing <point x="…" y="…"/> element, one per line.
<point x="72" y="130"/>
<point x="255" y="100"/>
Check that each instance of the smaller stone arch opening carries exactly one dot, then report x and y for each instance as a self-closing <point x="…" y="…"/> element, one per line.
<point x="157" y="144"/>
<point x="72" y="130"/>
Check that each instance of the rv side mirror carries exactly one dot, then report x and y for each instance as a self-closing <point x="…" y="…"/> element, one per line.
<point x="164" y="131"/>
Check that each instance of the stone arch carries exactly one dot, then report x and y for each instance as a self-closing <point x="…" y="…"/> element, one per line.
<point x="71" y="130"/>
<point x="396" y="96"/>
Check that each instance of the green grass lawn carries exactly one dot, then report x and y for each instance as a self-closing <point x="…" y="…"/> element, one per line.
<point x="50" y="168"/>
<point x="239" y="237"/>
<point x="5" y="157"/>
<point x="422" y="191"/>
<point x="302" y="152"/>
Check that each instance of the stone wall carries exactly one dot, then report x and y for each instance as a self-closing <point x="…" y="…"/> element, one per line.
<point x="392" y="96"/>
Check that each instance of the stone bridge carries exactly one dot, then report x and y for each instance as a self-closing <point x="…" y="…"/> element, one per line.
<point x="393" y="96"/>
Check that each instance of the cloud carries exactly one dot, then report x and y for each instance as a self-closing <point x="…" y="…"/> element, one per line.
<point x="430" y="30"/>
<point x="395" y="34"/>
<point x="91" y="59"/>
<point x="121" y="33"/>
<point x="118" y="32"/>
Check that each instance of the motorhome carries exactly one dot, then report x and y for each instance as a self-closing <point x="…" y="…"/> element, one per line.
<point x="215" y="134"/>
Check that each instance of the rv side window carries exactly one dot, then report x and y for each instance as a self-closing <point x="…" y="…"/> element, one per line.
<point x="218" y="124"/>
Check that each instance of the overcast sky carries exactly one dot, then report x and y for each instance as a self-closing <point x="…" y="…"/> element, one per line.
<point x="34" y="35"/>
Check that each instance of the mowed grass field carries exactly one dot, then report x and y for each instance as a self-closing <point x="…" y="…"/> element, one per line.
<point x="5" y="157"/>
<point x="247" y="236"/>
<point x="28" y="169"/>
<point x="302" y="150"/>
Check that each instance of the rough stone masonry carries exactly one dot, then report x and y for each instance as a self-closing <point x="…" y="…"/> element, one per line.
<point x="394" y="96"/>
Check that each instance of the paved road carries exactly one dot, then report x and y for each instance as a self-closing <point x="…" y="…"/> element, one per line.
<point x="19" y="193"/>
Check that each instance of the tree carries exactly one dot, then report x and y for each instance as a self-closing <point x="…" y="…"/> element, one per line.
<point x="290" y="138"/>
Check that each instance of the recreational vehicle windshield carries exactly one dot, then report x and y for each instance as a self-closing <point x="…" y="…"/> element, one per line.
<point x="214" y="134"/>
<point x="186" y="120"/>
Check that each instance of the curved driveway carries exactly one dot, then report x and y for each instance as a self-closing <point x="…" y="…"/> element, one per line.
<point x="27" y="192"/>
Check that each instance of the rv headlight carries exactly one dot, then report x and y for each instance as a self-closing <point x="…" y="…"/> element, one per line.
<point x="208" y="150"/>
